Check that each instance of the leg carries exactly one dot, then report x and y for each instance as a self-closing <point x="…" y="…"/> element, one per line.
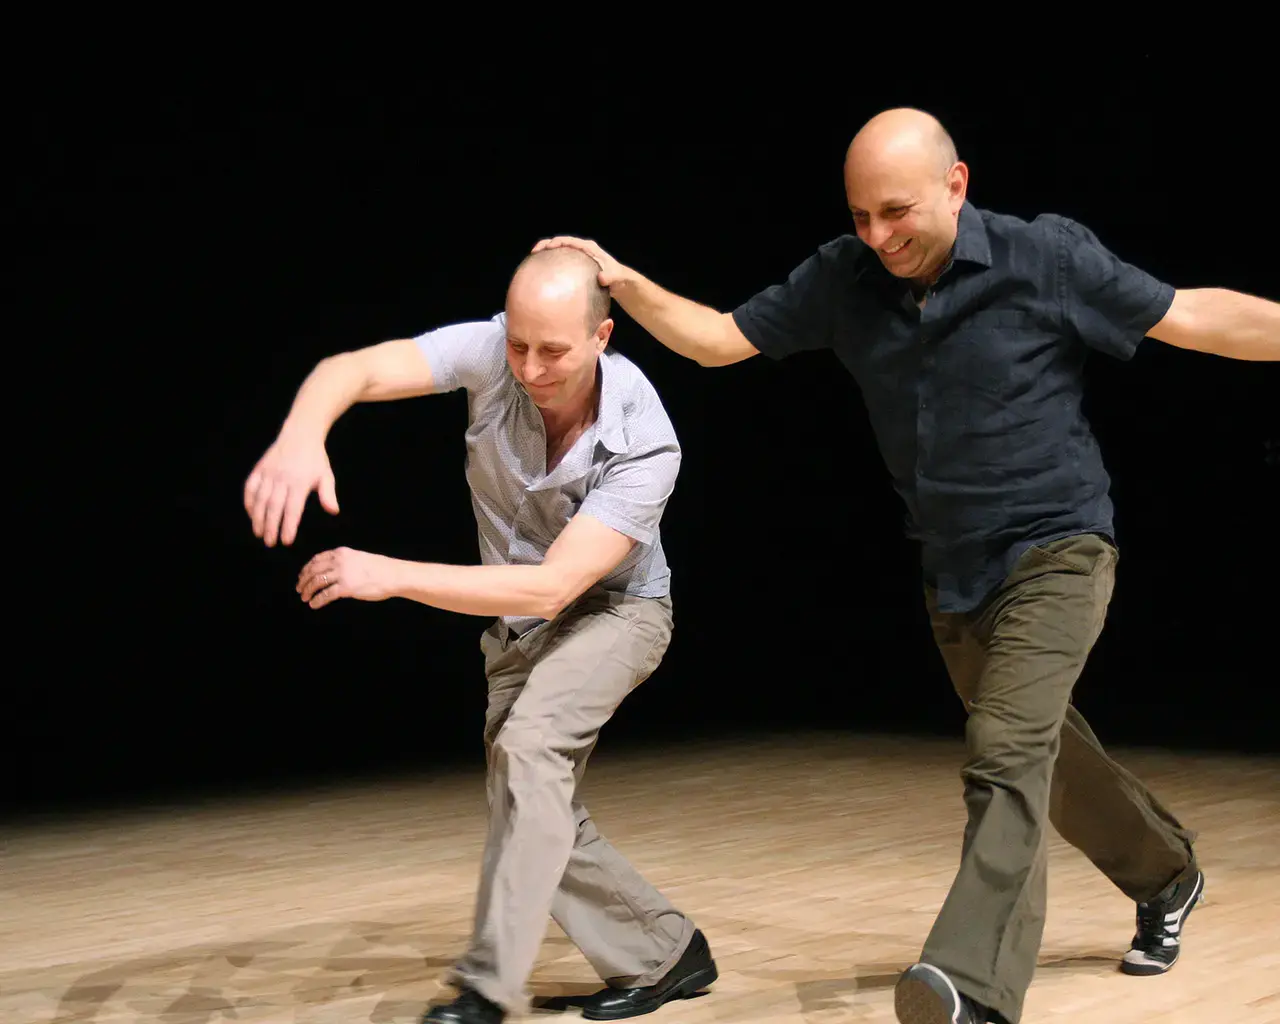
<point x="627" y="930"/>
<point x="1036" y="634"/>
<point x="1095" y="804"/>
<point x="546" y="709"/>
<point x="1107" y="814"/>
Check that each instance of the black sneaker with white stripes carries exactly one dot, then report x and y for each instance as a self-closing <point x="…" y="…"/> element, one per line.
<point x="1159" y="936"/>
<point x="925" y="995"/>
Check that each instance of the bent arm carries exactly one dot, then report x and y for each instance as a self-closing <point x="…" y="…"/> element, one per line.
<point x="378" y="373"/>
<point x="688" y="328"/>
<point x="1222" y="322"/>
<point x="584" y="553"/>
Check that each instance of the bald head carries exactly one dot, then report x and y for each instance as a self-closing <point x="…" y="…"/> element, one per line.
<point x="904" y="137"/>
<point x="557" y="327"/>
<point x="906" y="187"/>
<point x="558" y="277"/>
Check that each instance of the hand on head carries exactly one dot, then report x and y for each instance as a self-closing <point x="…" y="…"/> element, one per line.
<point x="611" y="271"/>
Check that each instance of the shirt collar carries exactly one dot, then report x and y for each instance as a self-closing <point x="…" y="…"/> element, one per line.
<point x="610" y="416"/>
<point x="972" y="244"/>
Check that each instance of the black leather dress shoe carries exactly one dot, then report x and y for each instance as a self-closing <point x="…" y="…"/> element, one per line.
<point x="695" y="970"/>
<point x="469" y="1008"/>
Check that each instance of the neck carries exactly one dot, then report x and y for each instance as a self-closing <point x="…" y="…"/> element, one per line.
<point x="921" y="284"/>
<point x="578" y="413"/>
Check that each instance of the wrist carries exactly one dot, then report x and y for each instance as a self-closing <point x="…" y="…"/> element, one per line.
<point x="300" y="431"/>
<point x="397" y="577"/>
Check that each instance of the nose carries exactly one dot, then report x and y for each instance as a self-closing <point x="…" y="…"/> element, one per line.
<point x="532" y="370"/>
<point x="878" y="232"/>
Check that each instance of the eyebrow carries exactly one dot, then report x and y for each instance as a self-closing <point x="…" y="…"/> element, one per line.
<point x="889" y="204"/>
<point x="553" y="341"/>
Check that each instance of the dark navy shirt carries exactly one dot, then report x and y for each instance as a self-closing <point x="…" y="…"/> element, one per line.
<point x="976" y="398"/>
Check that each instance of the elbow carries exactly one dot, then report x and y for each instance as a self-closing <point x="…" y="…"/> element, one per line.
<point x="558" y="592"/>
<point x="351" y="370"/>
<point x="725" y="344"/>
<point x="549" y="606"/>
<point x="713" y="355"/>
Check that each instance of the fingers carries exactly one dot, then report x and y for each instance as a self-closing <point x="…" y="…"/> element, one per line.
<point x="317" y="576"/>
<point x="276" y="506"/>
<point x="327" y="595"/>
<point x="293" y="506"/>
<point x="568" y="241"/>
<point x="280" y="496"/>
<point x="558" y="242"/>
<point x="329" y="494"/>
<point x="251" y="489"/>
<point x="261" y="496"/>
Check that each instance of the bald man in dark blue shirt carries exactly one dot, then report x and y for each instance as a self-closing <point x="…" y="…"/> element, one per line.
<point x="967" y="332"/>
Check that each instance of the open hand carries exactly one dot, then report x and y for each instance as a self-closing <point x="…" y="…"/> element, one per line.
<point x="343" y="572"/>
<point x="276" y="492"/>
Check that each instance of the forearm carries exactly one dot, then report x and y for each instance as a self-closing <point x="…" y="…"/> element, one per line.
<point x="688" y="328"/>
<point x="1225" y="323"/>
<point x="336" y="384"/>
<point x="516" y="590"/>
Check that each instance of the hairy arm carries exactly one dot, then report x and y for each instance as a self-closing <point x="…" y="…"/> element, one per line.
<point x="688" y="328"/>
<point x="1222" y="322"/>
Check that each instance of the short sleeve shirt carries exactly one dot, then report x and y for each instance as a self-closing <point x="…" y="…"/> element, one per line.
<point x="975" y="399"/>
<point x="622" y="471"/>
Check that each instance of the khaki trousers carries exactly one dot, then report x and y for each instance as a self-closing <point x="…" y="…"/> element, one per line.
<point x="550" y="692"/>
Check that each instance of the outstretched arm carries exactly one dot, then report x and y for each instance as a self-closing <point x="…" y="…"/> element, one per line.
<point x="1222" y="322"/>
<point x="584" y="553"/>
<point x="688" y="328"/>
<point x="276" y="491"/>
<point x="1112" y="305"/>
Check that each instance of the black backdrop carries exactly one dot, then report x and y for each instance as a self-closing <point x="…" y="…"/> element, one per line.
<point x="192" y="246"/>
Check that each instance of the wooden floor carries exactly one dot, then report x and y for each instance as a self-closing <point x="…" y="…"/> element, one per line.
<point x="814" y="866"/>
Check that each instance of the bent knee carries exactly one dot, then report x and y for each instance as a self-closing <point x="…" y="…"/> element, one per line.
<point x="524" y="740"/>
<point x="999" y="745"/>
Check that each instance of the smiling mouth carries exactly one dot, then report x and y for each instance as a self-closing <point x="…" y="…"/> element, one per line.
<point x="898" y="249"/>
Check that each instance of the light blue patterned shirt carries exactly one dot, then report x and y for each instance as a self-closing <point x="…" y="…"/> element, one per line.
<point x="621" y="471"/>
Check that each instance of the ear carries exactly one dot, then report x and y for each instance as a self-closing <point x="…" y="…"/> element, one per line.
<point x="602" y="335"/>
<point x="957" y="184"/>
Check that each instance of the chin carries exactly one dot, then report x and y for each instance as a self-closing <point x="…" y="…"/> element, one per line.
<point x="919" y="269"/>
<point x="543" y="400"/>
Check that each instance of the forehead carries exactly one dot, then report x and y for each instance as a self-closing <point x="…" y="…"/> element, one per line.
<point x="874" y="185"/>
<point x="546" y="323"/>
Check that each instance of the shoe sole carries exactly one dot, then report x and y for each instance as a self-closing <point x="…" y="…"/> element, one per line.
<point x="1152" y="970"/>
<point x="924" y="995"/>
<point x="691" y="986"/>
